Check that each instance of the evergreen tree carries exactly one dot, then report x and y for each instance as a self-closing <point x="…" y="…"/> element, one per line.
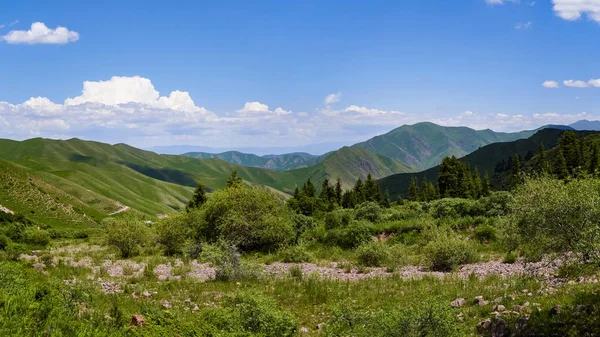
<point x="486" y="185"/>
<point x="296" y="193"/>
<point x="325" y="190"/>
<point x="466" y="182"/>
<point x="594" y="159"/>
<point x="428" y="192"/>
<point x="338" y="191"/>
<point x="372" y="191"/>
<point x="309" y="189"/>
<point x="348" y="200"/>
<point x="516" y="176"/>
<point x="477" y="184"/>
<point x="542" y="164"/>
<point x="571" y="147"/>
<point x="560" y="165"/>
<point x="234" y="180"/>
<point x="358" y="192"/>
<point x="413" y="189"/>
<point x="454" y="179"/>
<point x="198" y="199"/>
<point x="385" y="199"/>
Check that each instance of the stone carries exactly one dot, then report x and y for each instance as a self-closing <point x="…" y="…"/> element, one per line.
<point x="165" y="304"/>
<point x="303" y="330"/>
<point x="38" y="266"/>
<point x="517" y="308"/>
<point x="484" y="325"/>
<point x="457" y="303"/>
<point x="500" y="308"/>
<point x="320" y="326"/>
<point x="138" y="321"/>
<point x="498" y="300"/>
<point x="478" y="299"/>
<point x="483" y="303"/>
<point x="146" y="293"/>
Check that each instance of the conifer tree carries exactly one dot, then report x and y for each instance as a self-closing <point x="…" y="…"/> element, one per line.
<point x="477" y="184"/>
<point x="486" y="185"/>
<point x="594" y="159"/>
<point x="234" y="180"/>
<point x="297" y="193"/>
<point x="413" y="189"/>
<point x="516" y="175"/>
<point x="560" y="165"/>
<point x="542" y="165"/>
<point x="385" y="199"/>
<point x="358" y="192"/>
<point x="309" y="189"/>
<point x="372" y="191"/>
<point x="338" y="191"/>
<point x="428" y="192"/>
<point x="198" y="199"/>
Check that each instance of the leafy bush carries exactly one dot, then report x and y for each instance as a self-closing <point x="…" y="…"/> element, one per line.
<point x="352" y="236"/>
<point x="5" y="241"/>
<point x="485" y="233"/>
<point x="509" y="258"/>
<point x="127" y="234"/>
<point x="373" y="254"/>
<point x="171" y="233"/>
<point x="496" y="204"/>
<point x="454" y="207"/>
<point x="447" y="252"/>
<point x="554" y="216"/>
<point x="15" y="230"/>
<point x="295" y="254"/>
<point x="36" y="237"/>
<point x="369" y="211"/>
<point x="302" y="223"/>
<point x="249" y="315"/>
<point x="249" y="218"/>
<point x="226" y="259"/>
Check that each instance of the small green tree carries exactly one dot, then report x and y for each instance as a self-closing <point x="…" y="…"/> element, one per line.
<point x="560" y="165"/>
<point x="338" y="191"/>
<point x="172" y="232"/>
<point x="127" y="235"/>
<point x="413" y="189"/>
<point x="486" y="185"/>
<point x="234" y="180"/>
<point x="594" y="159"/>
<point x="198" y="199"/>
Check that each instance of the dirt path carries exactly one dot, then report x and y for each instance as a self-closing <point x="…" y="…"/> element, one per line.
<point x="120" y="210"/>
<point x="6" y="210"/>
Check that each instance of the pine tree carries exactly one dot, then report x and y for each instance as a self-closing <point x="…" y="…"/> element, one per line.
<point x="486" y="185"/>
<point x="385" y="199"/>
<point x="296" y="193"/>
<point x="309" y="189"/>
<point x="348" y="200"/>
<point x="477" y="184"/>
<point x="594" y="159"/>
<point x="428" y="192"/>
<point x="325" y="189"/>
<point x="234" y="180"/>
<point x="198" y="199"/>
<point x="413" y="189"/>
<point x="372" y="191"/>
<point x="516" y="176"/>
<point x="338" y="191"/>
<point x="358" y="192"/>
<point x="560" y="165"/>
<point x="542" y="165"/>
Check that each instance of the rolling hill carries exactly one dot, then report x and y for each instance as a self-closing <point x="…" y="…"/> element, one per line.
<point x="424" y="145"/>
<point x="584" y="124"/>
<point x="485" y="159"/>
<point x="281" y="162"/>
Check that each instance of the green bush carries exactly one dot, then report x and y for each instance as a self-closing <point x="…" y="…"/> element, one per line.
<point x="249" y="218"/>
<point x="172" y="233"/>
<point x="509" y="258"/>
<point x="553" y="216"/>
<point x="15" y="231"/>
<point x="36" y="237"/>
<point x="373" y="254"/>
<point x="226" y="259"/>
<point x="127" y="234"/>
<point x="5" y="241"/>
<point x="250" y="315"/>
<point x="352" y="236"/>
<point x="454" y="207"/>
<point x="485" y="233"/>
<point x="369" y="211"/>
<point x="295" y="254"/>
<point x="447" y="252"/>
<point x="496" y="204"/>
<point x="302" y="223"/>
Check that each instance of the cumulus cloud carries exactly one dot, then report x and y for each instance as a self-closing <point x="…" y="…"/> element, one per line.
<point x="550" y="84"/>
<point x="574" y="9"/>
<point x="369" y="112"/>
<point x="501" y="2"/>
<point x="250" y="107"/>
<point x="333" y="98"/>
<point x="39" y="33"/>
<point x="576" y="84"/>
<point x="595" y="83"/>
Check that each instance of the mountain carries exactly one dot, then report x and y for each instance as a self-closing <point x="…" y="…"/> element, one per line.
<point x="424" y="145"/>
<point x="485" y="159"/>
<point x="92" y="180"/>
<point x="276" y="162"/>
<point x="586" y="125"/>
<point x="317" y="148"/>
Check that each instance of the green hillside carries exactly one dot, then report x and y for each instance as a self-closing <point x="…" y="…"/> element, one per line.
<point x="424" y="145"/>
<point x="485" y="159"/>
<point x="282" y="162"/>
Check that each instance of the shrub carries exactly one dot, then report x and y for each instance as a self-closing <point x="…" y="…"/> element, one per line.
<point x="80" y="235"/>
<point x="249" y="218"/>
<point x="338" y="218"/>
<point x="454" y="207"/>
<point x="447" y="252"/>
<point x="369" y="211"/>
<point x="373" y="254"/>
<point x="509" y="258"/>
<point x="485" y="233"/>
<point x="127" y="234"/>
<point x="226" y="259"/>
<point x="302" y="223"/>
<point x="171" y="233"/>
<point x="352" y="236"/>
<point x="36" y="237"/>
<point x="554" y="216"/>
<point x="15" y="231"/>
<point x="496" y="204"/>
<point x="248" y="314"/>
<point x="295" y="254"/>
<point x="5" y="241"/>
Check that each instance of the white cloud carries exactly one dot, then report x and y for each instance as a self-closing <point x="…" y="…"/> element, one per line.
<point x="574" y="9"/>
<point x="576" y="84"/>
<point x="369" y="112"/>
<point x="39" y="33"/>
<point x="280" y="111"/>
<point x="333" y="98"/>
<point x="117" y="90"/>
<point x="523" y="25"/>
<point x="250" y="107"/>
<point x="501" y="2"/>
<point x="550" y="84"/>
<point x="595" y="83"/>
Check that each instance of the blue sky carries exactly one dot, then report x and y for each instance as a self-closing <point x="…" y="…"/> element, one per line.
<point x="478" y="63"/>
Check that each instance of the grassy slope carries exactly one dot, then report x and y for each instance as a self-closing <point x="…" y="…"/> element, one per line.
<point x="485" y="159"/>
<point x="283" y="162"/>
<point x="424" y="145"/>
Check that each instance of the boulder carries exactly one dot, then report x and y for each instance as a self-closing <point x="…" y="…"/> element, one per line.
<point x="138" y="321"/>
<point x="457" y="303"/>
